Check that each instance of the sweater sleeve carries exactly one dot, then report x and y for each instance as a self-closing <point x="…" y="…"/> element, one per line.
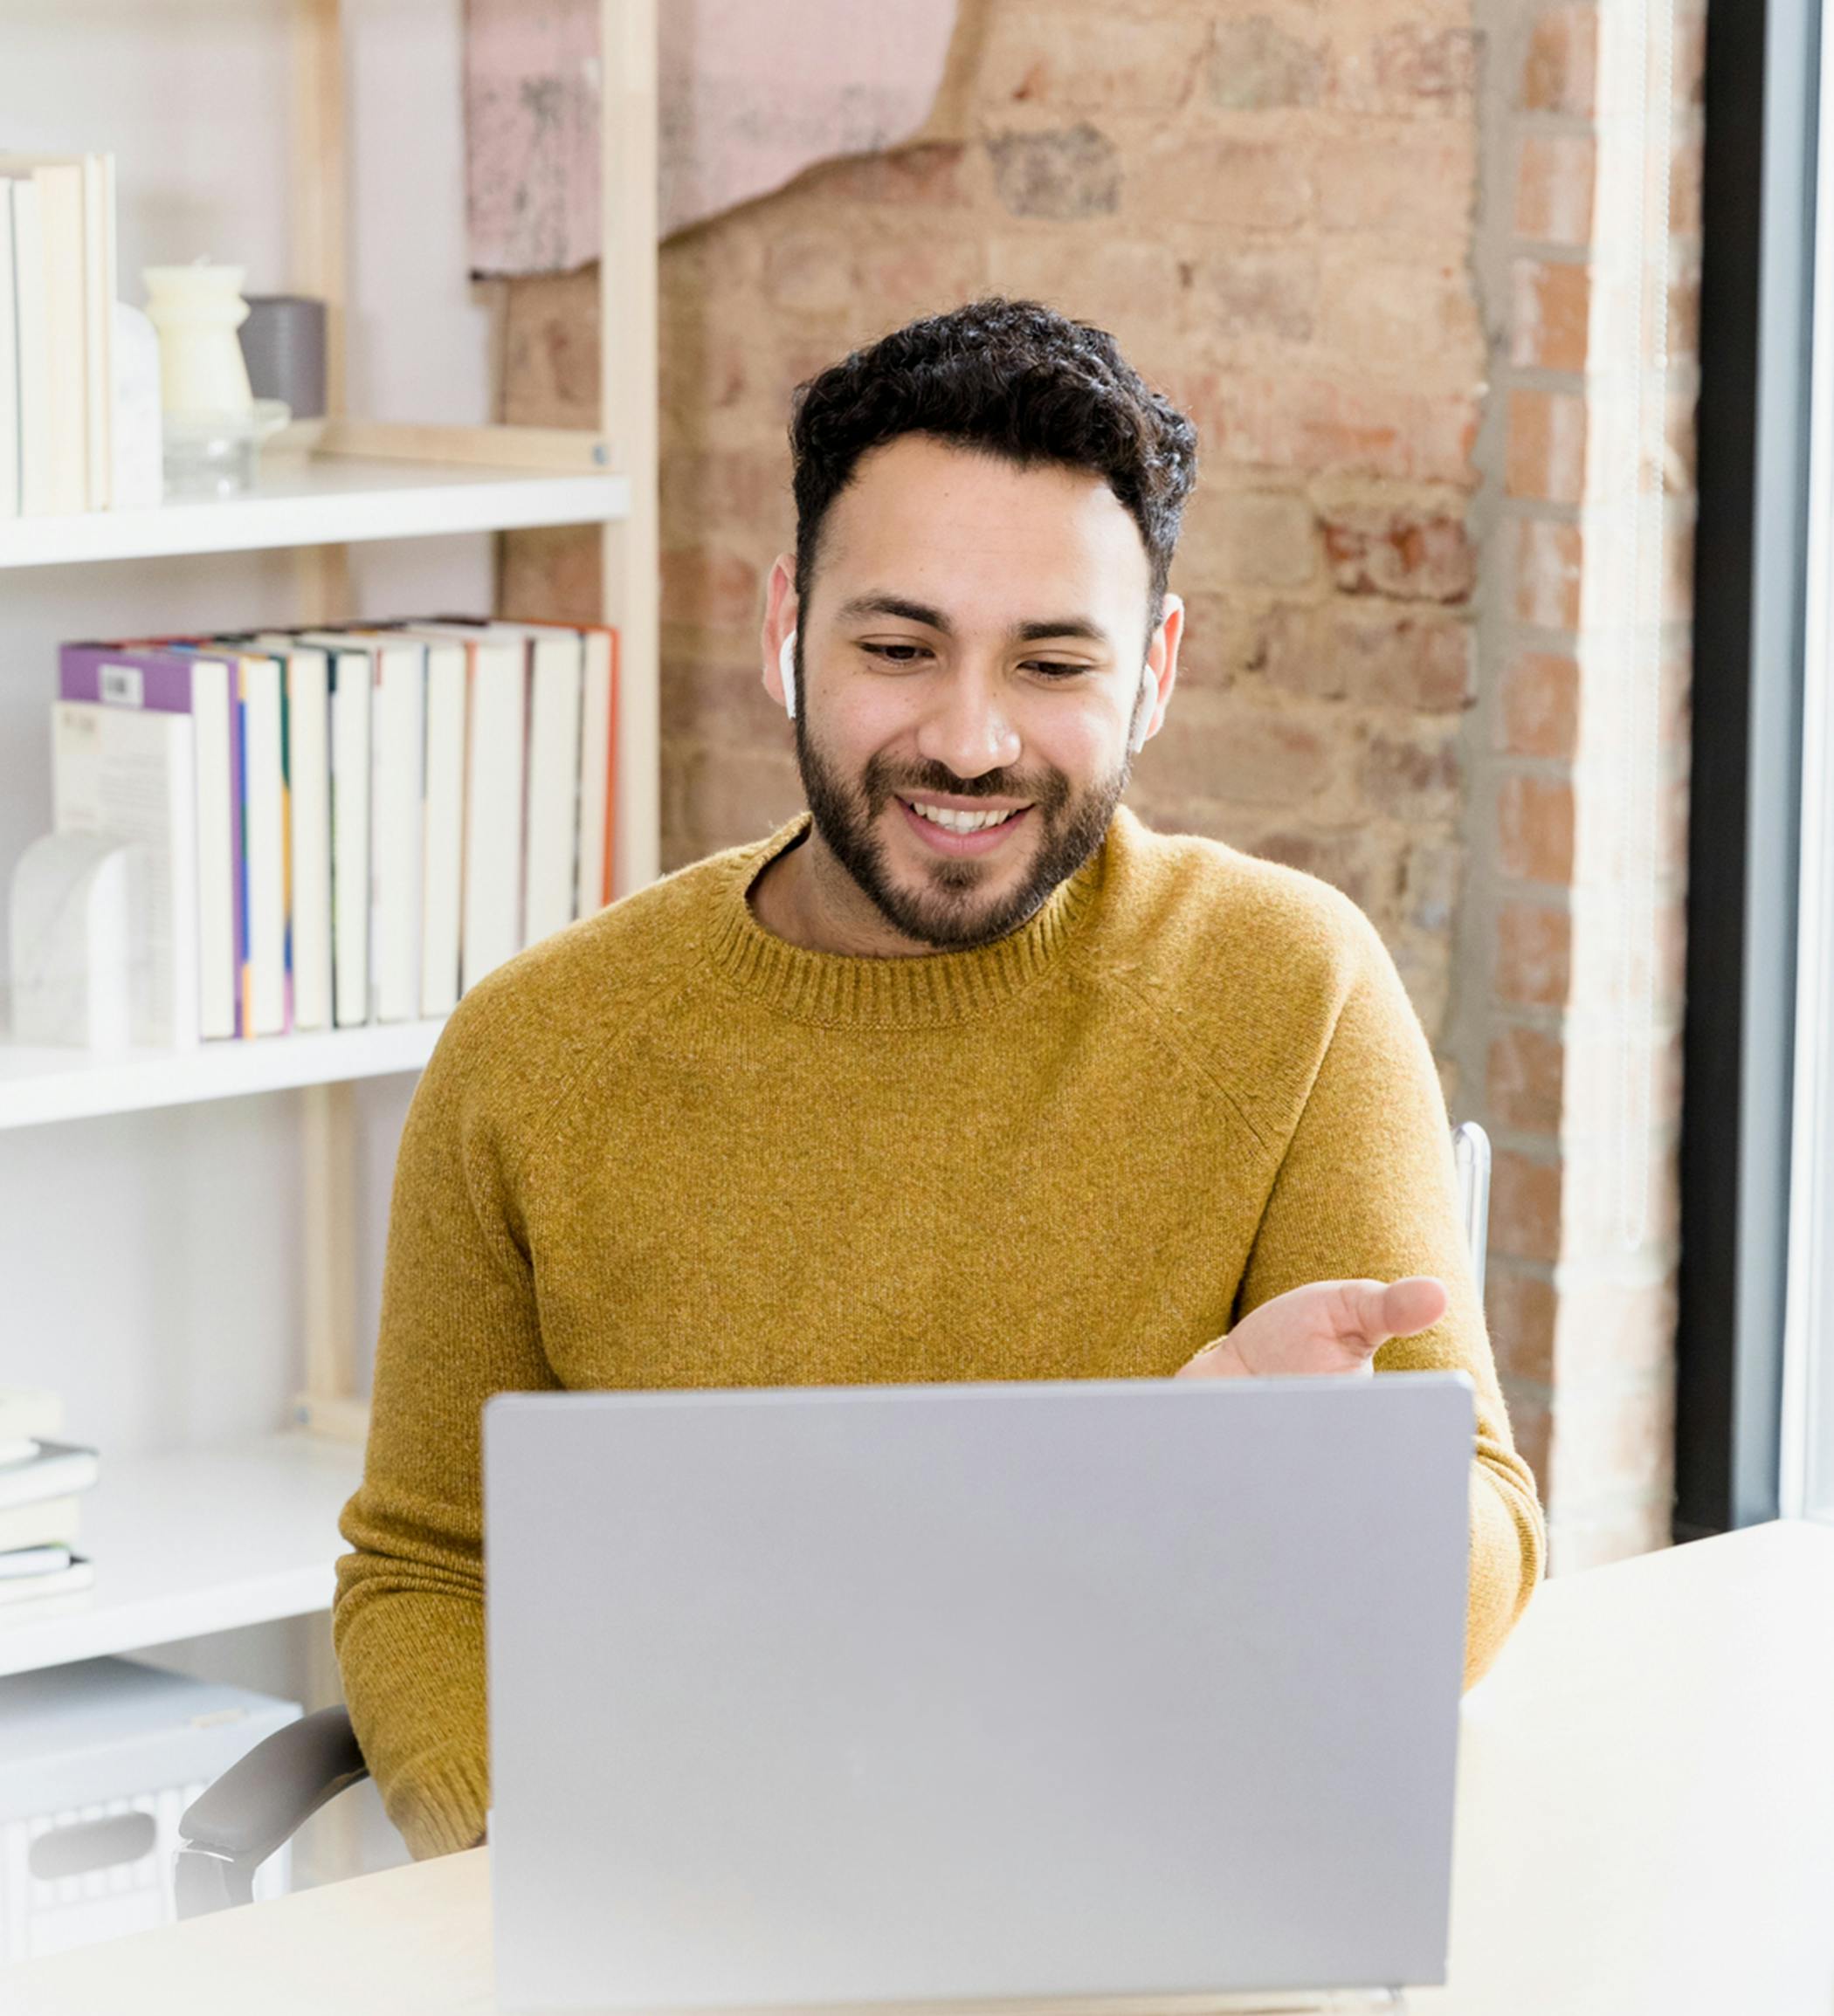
<point x="459" y="1323"/>
<point x="1366" y="1190"/>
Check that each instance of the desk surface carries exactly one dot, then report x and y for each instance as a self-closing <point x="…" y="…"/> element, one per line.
<point x="1645" y="1828"/>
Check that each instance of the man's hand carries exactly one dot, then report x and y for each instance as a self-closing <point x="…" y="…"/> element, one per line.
<point x="1327" y="1327"/>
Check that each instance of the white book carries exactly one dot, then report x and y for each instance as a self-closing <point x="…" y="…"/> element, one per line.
<point x="8" y="361"/>
<point x="98" y="291"/>
<point x="61" y="210"/>
<point x="131" y="772"/>
<point x="60" y="1471"/>
<point x="32" y="337"/>
<point x="306" y="672"/>
<point x="397" y="758"/>
<point x="442" y="821"/>
<point x="496" y="729"/>
<point x="44" y="1522"/>
<point x="263" y="800"/>
<point x="349" y="677"/>
<point x="80" y="1574"/>
<point x="556" y="667"/>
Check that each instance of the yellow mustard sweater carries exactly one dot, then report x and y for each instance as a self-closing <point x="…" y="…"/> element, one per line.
<point x="666" y="1148"/>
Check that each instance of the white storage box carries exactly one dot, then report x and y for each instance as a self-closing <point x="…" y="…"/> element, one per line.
<point x="97" y="1759"/>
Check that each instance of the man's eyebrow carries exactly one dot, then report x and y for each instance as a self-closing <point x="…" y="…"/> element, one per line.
<point x="935" y="619"/>
<point x="892" y="605"/>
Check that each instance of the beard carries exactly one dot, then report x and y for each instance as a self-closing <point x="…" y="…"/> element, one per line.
<point x="950" y="911"/>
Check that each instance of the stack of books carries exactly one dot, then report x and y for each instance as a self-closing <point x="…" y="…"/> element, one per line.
<point x="349" y="825"/>
<point x="41" y="1480"/>
<point x="57" y="333"/>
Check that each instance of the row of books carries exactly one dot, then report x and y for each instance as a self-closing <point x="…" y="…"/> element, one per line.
<point x="344" y="825"/>
<point x="41" y="1479"/>
<point x="57" y="332"/>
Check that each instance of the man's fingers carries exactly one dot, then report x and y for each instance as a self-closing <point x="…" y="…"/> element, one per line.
<point x="1405" y="1307"/>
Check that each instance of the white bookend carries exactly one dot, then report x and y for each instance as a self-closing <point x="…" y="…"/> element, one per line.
<point x="34" y="336"/>
<point x="8" y="363"/>
<point x="264" y="798"/>
<point x="130" y="773"/>
<point x="308" y="801"/>
<point x="442" y="825"/>
<point x="598" y="759"/>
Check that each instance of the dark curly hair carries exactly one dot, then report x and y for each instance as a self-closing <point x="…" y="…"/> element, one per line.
<point x="1015" y="378"/>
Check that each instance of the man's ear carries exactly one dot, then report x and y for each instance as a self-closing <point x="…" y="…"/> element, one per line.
<point x="780" y="620"/>
<point x="1162" y="670"/>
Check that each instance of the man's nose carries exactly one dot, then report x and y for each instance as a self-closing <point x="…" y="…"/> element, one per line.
<point x="968" y="729"/>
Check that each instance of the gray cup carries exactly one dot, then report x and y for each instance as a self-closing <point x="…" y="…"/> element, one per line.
<point x="283" y="343"/>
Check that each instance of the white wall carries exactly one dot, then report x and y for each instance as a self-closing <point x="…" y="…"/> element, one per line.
<point x="151" y="1263"/>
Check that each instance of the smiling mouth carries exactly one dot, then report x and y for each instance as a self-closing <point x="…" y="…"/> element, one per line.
<point x="947" y="819"/>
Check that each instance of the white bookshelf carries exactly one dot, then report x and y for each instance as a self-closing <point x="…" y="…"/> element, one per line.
<point x="40" y="1086"/>
<point x="323" y="500"/>
<point x="199" y="1541"/>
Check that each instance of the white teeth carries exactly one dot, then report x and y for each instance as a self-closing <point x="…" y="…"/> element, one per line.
<point x="959" y="821"/>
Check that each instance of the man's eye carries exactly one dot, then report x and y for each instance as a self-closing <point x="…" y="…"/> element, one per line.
<point x="897" y="654"/>
<point x="1052" y="669"/>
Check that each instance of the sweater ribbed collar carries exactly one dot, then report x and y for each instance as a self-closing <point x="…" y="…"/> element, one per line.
<point x="900" y="990"/>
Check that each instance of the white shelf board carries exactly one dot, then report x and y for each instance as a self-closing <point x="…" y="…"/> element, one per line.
<point x="41" y="1085"/>
<point x="322" y="501"/>
<point x="195" y="1541"/>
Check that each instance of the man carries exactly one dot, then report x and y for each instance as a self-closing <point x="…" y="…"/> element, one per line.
<point x="962" y="1074"/>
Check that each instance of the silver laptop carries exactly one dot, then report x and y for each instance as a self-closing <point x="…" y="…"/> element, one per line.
<point x="977" y="1694"/>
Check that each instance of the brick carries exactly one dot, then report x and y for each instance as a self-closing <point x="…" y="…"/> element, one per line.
<point x="930" y="175"/>
<point x="907" y="276"/>
<point x="1530" y="1429"/>
<point x="1560" y="71"/>
<point x="1520" y="1309"/>
<point x="741" y="491"/>
<point x="1540" y="714"/>
<point x="1432" y="875"/>
<point x="1259" y="293"/>
<point x="1119" y="283"/>
<point x="550" y="350"/>
<point x="1401" y="316"/>
<point x="1415" y="775"/>
<point x="1192" y="176"/>
<point x="1534" y="829"/>
<point x="1422" y="183"/>
<point x="1556" y="181"/>
<point x="1065" y="59"/>
<point x="1417" y="70"/>
<point x="1616" y="1443"/>
<point x="1395" y="553"/>
<point x="553" y="574"/>
<point x="1222" y="642"/>
<point x="723" y="797"/>
<point x="724" y="702"/>
<point x="1525" y="1207"/>
<point x="1351" y="860"/>
<point x="1255" y="64"/>
<point x="1534" y="955"/>
<point x="811" y="272"/>
<point x="1336" y="653"/>
<point x="1074" y="172"/>
<point x="1525" y="1071"/>
<point x="1546" y="456"/>
<point x="1291" y="421"/>
<point x="705" y="585"/>
<point x="1547" y="560"/>
<point x="1260" y="757"/>
<point x="1617" y="1533"/>
<point x="1250" y="538"/>
<point x="1618" y="1331"/>
<point x="1550" y="305"/>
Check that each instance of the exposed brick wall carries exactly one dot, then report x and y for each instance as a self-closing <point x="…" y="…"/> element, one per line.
<point x="1393" y="673"/>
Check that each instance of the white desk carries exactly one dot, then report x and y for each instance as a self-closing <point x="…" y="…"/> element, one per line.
<point x="1645" y="1828"/>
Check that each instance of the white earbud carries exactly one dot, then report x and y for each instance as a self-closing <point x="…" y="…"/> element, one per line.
<point x="786" y="666"/>
<point x="1138" y="741"/>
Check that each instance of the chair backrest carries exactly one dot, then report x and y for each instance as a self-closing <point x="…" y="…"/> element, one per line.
<point x="1470" y="1156"/>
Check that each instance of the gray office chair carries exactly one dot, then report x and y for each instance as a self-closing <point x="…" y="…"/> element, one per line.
<point x="231" y="1828"/>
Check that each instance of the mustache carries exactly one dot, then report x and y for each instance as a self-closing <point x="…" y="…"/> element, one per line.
<point x="1049" y="793"/>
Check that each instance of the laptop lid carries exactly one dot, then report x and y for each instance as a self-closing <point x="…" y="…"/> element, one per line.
<point x="914" y="1694"/>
